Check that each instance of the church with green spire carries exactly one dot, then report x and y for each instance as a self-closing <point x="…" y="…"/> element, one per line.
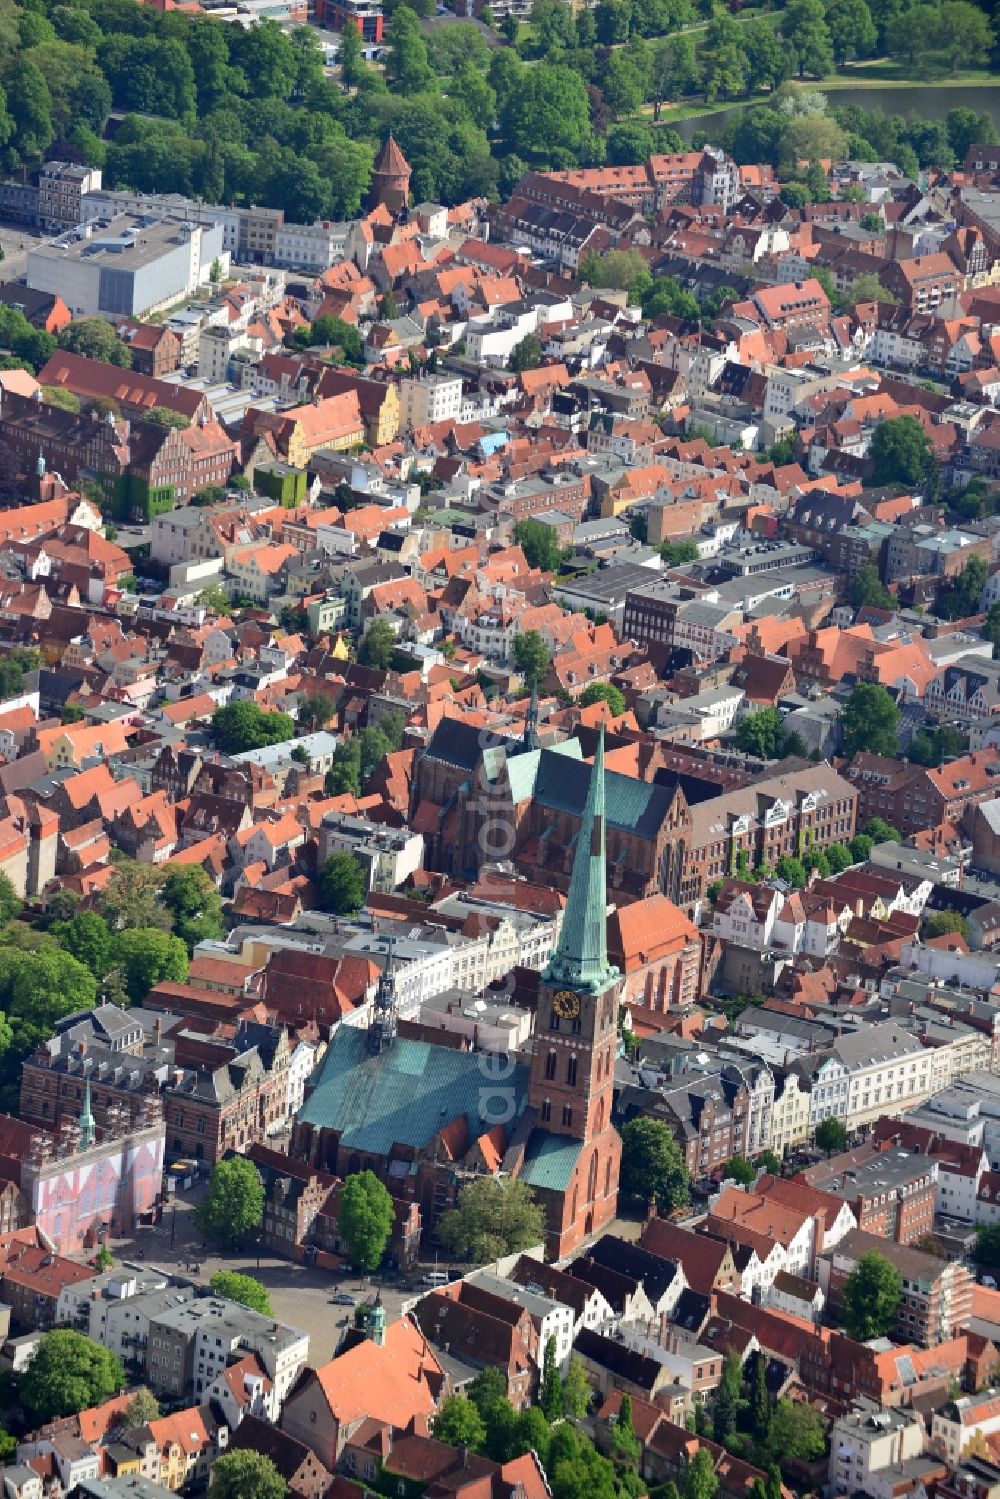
<point x="421" y="1116"/>
<point x="572" y="1158"/>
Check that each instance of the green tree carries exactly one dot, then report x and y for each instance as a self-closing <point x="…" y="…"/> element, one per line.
<point x="233" y="1286"/>
<point x="142" y="1408"/>
<point x="531" y="656"/>
<point x="538" y="541"/>
<point x="343" y="884"/>
<point x="494" y="1217"/>
<point x="27" y="113"/>
<point x="194" y="903"/>
<point x="244" y="725"/>
<point x="760" y="1397"/>
<point x="621" y="85"/>
<point x="724" y="62"/>
<point x="131" y="897"/>
<point x="234" y="1204"/>
<point x="653" y="1167"/>
<point x="861" y="848"/>
<point x="377" y="646"/>
<point x="315" y="711"/>
<point x="550" y="1394"/>
<point x="57" y="395"/>
<point x="739" y="1170"/>
<point x="901" y="452"/>
<point x="604" y="692"/>
<point x="991" y="628"/>
<point x="838" y="857"/>
<point x="942" y="923"/>
<point x="216" y="598"/>
<point x="162" y="416"/>
<point x="86" y="936"/>
<point x="961" y="596"/>
<point x="868" y="288"/>
<point x="344" y="775"/>
<point x="675" y="552"/>
<point x="407" y="63"/>
<point x="546" y="120"/>
<point x="964" y="35"/>
<point x="804" y="28"/>
<point x="988" y="1244"/>
<point x="333" y="332"/>
<point x="791" y="870"/>
<point x="68" y="1373"/>
<point x="147" y="957"/>
<point x="969" y="127"/>
<point x="96" y="339"/>
<point x="626" y="1448"/>
<point x="831" y="1136"/>
<point x="526" y="355"/>
<point x="246" y="1474"/>
<point x="576" y="1392"/>
<point x="870" y="721"/>
<point x="676" y="69"/>
<point x="852" y="30"/>
<point x="797" y="1431"/>
<point x="872" y="1293"/>
<point x="768" y="63"/>
<point x="487" y="1390"/>
<point x="932" y="747"/>
<point x="459" y="1424"/>
<point x="880" y="831"/>
<point x="868" y="588"/>
<point x="365" y="1219"/>
<point x="758" y="733"/>
<point x="351" y="55"/>
<point x="727" y="1399"/>
<point x="699" y="1481"/>
<point x="10" y="901"/>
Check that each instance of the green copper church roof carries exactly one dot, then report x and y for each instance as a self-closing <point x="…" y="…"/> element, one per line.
<point x="549" y="1161"/>
<point x="405" y="1094"/>
<point x="523" y="769"/>
<point x="581" y="956"/>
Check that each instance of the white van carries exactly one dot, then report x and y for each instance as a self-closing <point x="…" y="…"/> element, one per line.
<point x="436" y="1278"/>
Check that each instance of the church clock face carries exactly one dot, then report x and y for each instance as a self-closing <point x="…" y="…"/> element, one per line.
<point x="566" y="1004"/>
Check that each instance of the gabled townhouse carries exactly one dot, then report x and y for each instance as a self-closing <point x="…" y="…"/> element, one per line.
<point x="588" y="1306"/>
<point x="484" y="1330"/>
<point x="661" y="1279"/>
<point x="300" y="1468"/>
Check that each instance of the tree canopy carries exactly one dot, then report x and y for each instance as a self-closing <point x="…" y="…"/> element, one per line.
<point x="242" y="1288"/>
<point x="342" y="884"/>
<point x="870" y="721"/>
<point x="901" y="452"/>
<point x="246" y="1474"/>
<point x="871" y="1297"/>
<point x="365" y="1220"/>
<point x="494" y="1217"/>
<point x="831" y="1135"/>
<point x="244" y="725"/>
<point x="234" y="1204"/>
<point x="68" y="1373"/>
<point x="652" y="1165"/>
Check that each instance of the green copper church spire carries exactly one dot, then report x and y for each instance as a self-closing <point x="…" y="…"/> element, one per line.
<point x="88" y="1128"/>
<point x="581" y="955"/>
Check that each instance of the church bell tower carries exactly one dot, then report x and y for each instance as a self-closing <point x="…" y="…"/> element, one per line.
<point x="576" y="1034"/>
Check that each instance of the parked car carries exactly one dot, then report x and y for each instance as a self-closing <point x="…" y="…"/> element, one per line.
<point x="342" y="1299"/>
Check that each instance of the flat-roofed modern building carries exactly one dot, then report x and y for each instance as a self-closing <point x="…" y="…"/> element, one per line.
<point x="128" y="267"/>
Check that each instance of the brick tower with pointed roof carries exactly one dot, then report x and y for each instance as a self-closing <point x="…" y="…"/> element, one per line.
<point x="391" y="178"/>
<point x="572" y="1158"/>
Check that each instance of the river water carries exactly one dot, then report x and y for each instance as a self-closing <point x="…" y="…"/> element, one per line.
<point x="929" y="103"/>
